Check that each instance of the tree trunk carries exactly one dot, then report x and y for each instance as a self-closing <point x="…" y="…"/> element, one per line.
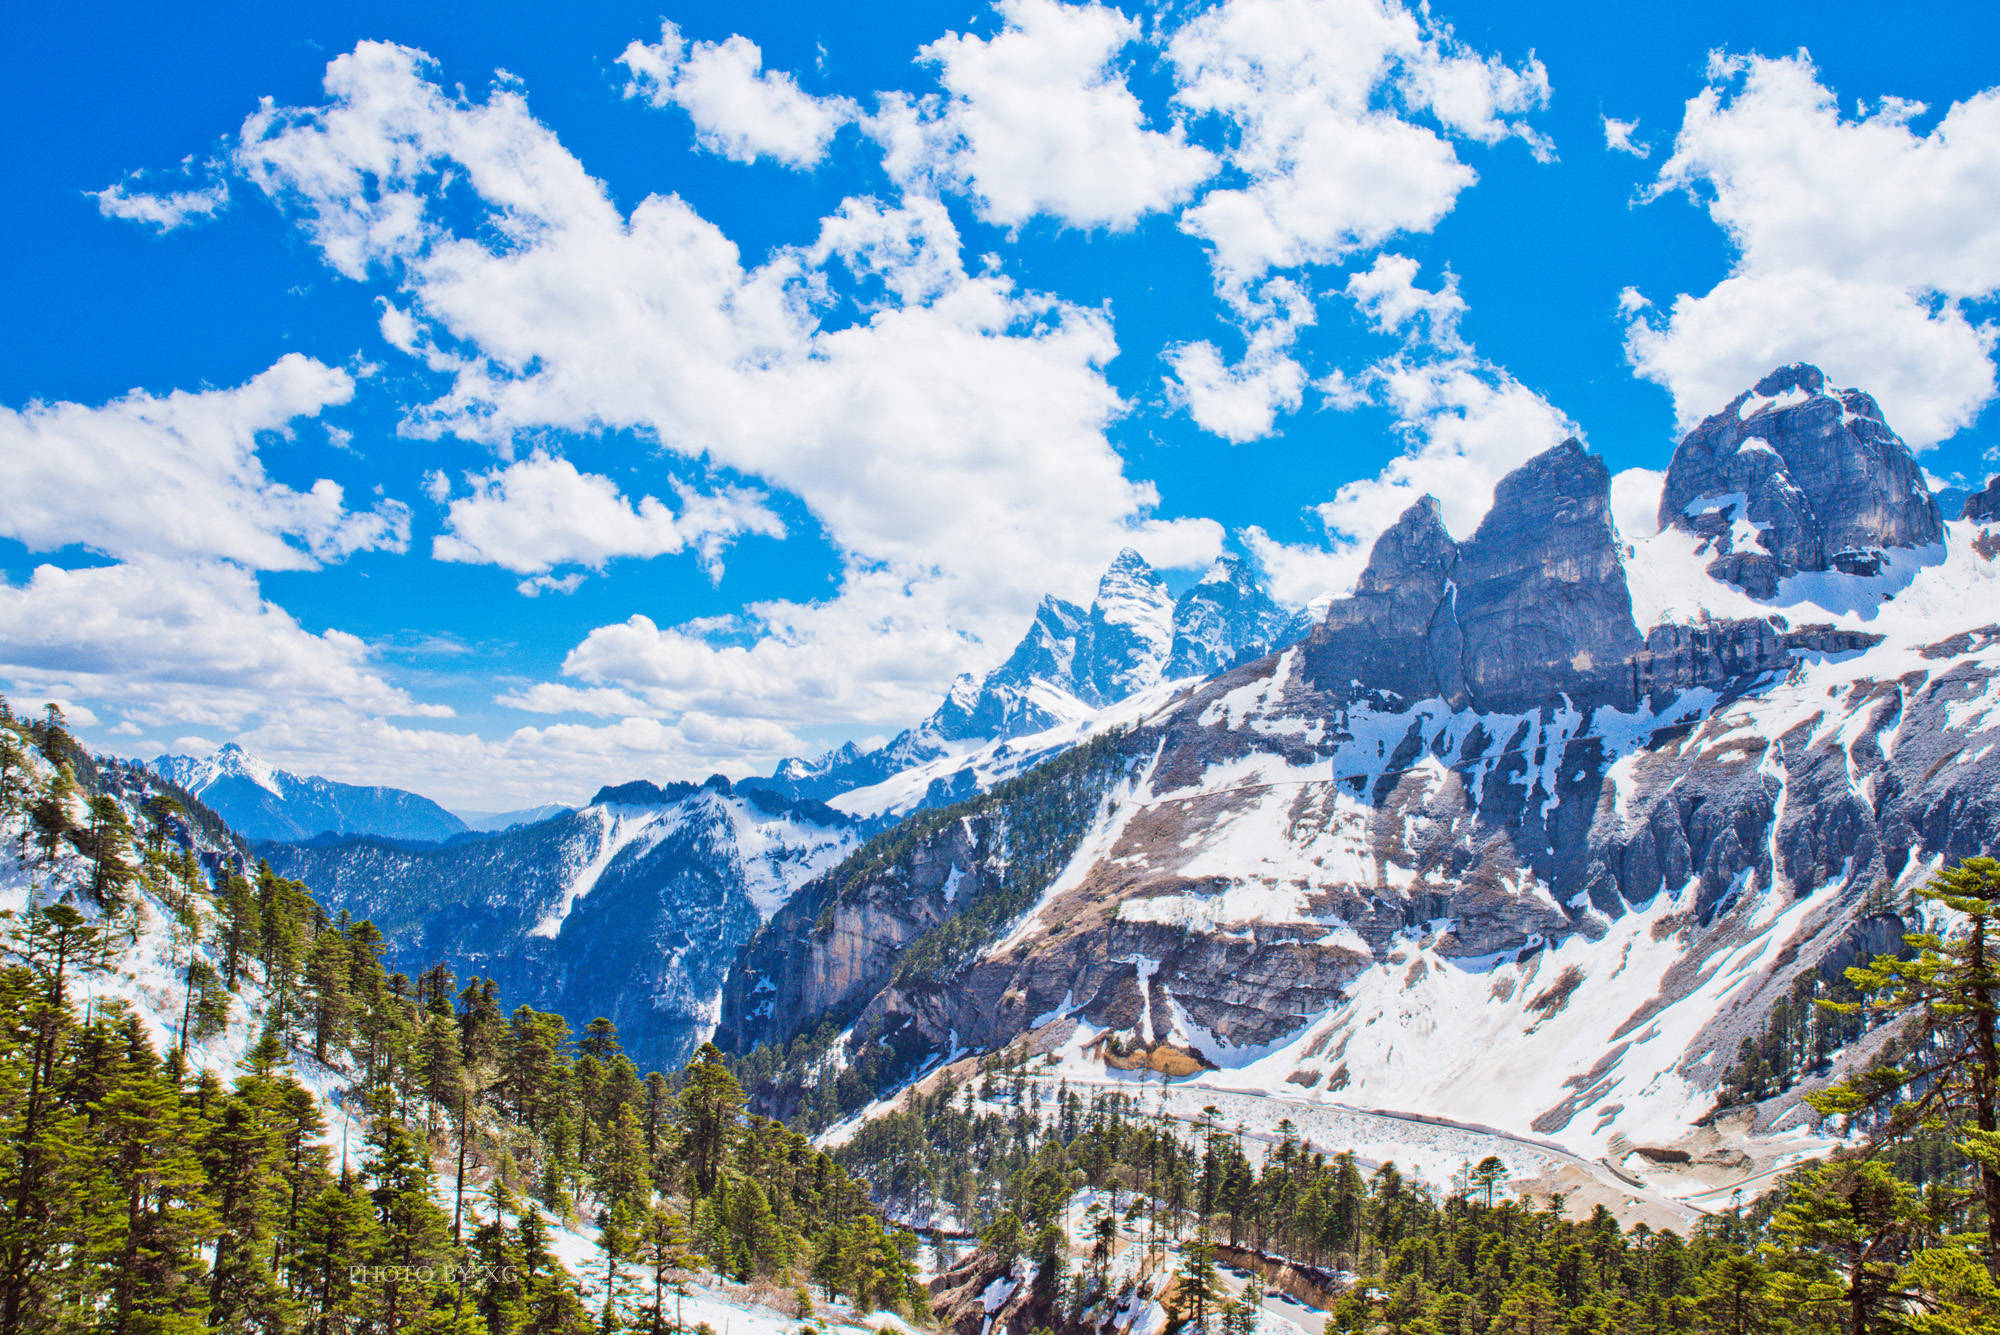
<point x="1983" y="1086"/>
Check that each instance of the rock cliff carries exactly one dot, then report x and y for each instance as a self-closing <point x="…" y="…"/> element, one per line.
<point x="1483" y="844"/>
<point x="1794" y="476"/>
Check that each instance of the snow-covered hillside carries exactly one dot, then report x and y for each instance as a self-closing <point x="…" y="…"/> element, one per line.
<point x="1531" y="832"/>
<point x="630" y="907"/>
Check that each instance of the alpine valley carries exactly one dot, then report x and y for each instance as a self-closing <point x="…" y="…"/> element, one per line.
<point x="1520" y="845"/>
<point x="1527" y="861"/>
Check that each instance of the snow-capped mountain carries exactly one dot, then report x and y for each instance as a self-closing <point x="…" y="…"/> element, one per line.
<point x="262" y="802"/>
<point x="1071" y="665"/>
<point x="630" y="907"/>
<point x="1532" y="830"/>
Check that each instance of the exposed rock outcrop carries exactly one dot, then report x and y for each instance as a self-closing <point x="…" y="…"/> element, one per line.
<point x="1983" y="507"/>
<point x="1532" y="608"/>
<point x="1408" y="856"/>
<point x="1793" y="476"/>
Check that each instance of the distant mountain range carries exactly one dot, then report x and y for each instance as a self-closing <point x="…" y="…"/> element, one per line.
<point x="632" y="906"/>
<point x="261" y="802"/>
<point x="1072" y="664"/>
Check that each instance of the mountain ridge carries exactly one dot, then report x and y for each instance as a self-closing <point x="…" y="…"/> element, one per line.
<point x="262" y="802"/>
<point x="1546" y="781"/>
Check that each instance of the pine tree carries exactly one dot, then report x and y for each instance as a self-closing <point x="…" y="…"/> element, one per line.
<point x="330" y="999"/>
<point x="663" y="1247"/>
<point x="625" y="1179"/>
<point x="241" y="1155"/>
<point x="1953" y="986"/>
<point x="55" y="814"/>
<point x="148" y="1204"/>
<point x="337" y="1238"/>
<point x="549" y="1300"/>
<point x="411" y="1231"/>
<point x="710" y="1106"/>
<point x="618" y="1239"/>
<point x="239" y="929"/>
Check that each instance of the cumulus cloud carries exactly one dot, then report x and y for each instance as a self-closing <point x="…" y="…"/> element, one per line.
<point x="179" y="475"/>
<point x="1241" y="402"/>
<point x="1039" y="119"/>
<point x="1326" y="101"/>
<point x="540" y="512"/>
<point x="949" y="440"/>
<point x="1873" y="292"/>
<point x="1466" y="423"/>
<point x="740" y="109"/>
<point x="181" y="643"/>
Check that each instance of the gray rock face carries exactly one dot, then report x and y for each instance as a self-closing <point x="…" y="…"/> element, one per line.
<point x="1542" y="598"/>
<point x="1476" y="767"/>
<point x="1716" y="654"/>
<point x="1534" y="606"/>
<point x="1398" y="632"/>
<point x="1983" y="507"/>
<point x="1793" y="476"/>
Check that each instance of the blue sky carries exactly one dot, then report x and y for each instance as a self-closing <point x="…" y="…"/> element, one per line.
<point x="501" y="405"/>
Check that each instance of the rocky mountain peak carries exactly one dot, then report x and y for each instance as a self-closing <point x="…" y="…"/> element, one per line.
<point x="1534" y="605"/>
<point x="1542" y="598"/>
<point x="1796" y="476"/>
<point x="1131" y="632"/>
<point x="263" y="802"/>
<point x="1130" y="575"/>
<point x="1227" y="618"/>
<point x="1983" y="507"/>
<point x="1397" y="631"/>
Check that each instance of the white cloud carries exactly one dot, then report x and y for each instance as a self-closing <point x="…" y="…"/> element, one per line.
<point x="1237" y="402"/>
<point x="165" y="210"/>
<point x="740" y="109"/>
<point x="1388" y="294"/>
<point x="1621" y="137"/>
<point x="179" y="475"/>
<point x="1466" y="421"/>
<point x="1928" y="366"/>
<point x="1871" y="292"/>
<point x="540" y="512"/>
<point x="192" y="651"/>
<point x="950" y="442"/>
<point x="1039" y="119"/>
<point x="1322" y="96"/>
<point x="537" y="585"/>
<point x="187" y="643"/>
<point x="1241" y="402"/>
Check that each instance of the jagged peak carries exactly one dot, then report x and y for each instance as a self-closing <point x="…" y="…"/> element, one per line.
<point x="1983" y="507"/>
<point x="1418" y="540"/>
<point x="1522" y="497"/>
<point x="1130" y="575"/>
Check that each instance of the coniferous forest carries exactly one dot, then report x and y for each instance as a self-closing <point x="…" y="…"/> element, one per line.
<point x="390" y="1152"/>
<point x="395" y="1154"/>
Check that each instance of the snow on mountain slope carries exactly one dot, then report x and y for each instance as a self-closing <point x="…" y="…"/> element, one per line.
<point x="1071" y="666"/>
<point x="631" y="907"/>
<point x="1532" y="830"/>
<point x="262" y="802"/>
